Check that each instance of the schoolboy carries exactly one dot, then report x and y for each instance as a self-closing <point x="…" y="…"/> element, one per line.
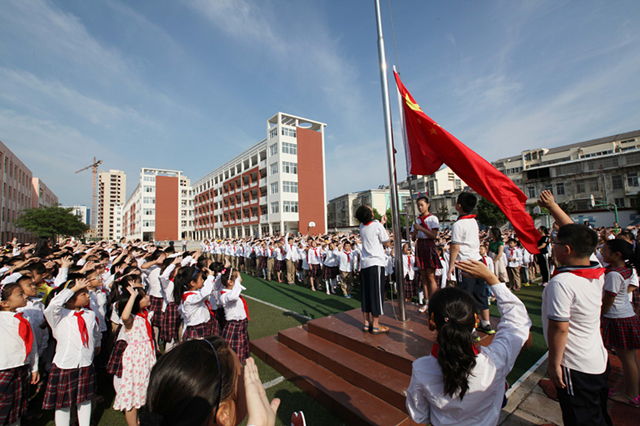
<point x="571" y="304"/>
<point x="465" y="245"/>
<point x="514" y="261"/>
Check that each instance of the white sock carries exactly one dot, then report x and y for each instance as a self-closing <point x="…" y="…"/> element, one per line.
<point x="170" y="345"/>
<point x="485" y="323"/>
<point x="421" y="297"/>
<point x="84" y="414"/>
<point x="63" y="417"/>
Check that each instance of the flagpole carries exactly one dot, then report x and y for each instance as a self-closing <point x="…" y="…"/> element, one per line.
<point x="393" y="184"/>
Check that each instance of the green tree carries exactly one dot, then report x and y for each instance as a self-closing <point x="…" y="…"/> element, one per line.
<point x="567" y="206"/>
<point x="51" y="222"/>
<point x="403" y="218"/>
<point x="442" y="213"/>
<point x="377" y="215"/>
<point x="489" y="214"/>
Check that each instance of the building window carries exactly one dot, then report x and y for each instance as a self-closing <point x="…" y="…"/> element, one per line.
<point x="274" y="188"/>
<point x="273" y="133"/>
<point x="632" y="179"/>
<point x="275" y="208"/>
<point x="619" y="202"/>
<point x="288" y="132"/>
<point x="580" y="187"/>
<point x="149" y="189"/>
<point x="289" y="148"/>
<point x="288" y="167"/>
<point x="548" y="188"/>
<point x="633" y="202"/>
<point x="593" y="185"/>
<point x="616" y="182"/>
<point x="560" y="188"/>
<point x="290" y="187"/>
<point x="290" y="207"/>
<point x="274" y="169"/>
<point x="532" y="192"/>
<point x="273" y="149"/>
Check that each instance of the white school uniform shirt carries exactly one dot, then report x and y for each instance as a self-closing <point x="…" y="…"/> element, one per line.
<point x="373" y="236"/>
<point x="347" y="258"/>
<point x="513" y="253"/>
<point x="616" y="283"/>
<point x="232" y="303"/>
<point x="430" y="222"/>
<point x="409" y="264"/>
<point x="34" y="313"/>
<point x="13" y="351"/>
<point x="291" y="252"/>
<point x="153" y="275"/>
<point x="332" y="258"/>
<point x="167" y="285"/>
<point x="464" y="233"/>
<point x="482" y="404"/>
<point x="193" y="308"/>
<point x="279" y="254"/>
<point x="70" y="352"/>
<point x="98" y="305"/>
<point x="577" y="300"/>
<point x="61" y="278"/>
<point x="314" y="256"/>
<point x="489" y="262"/>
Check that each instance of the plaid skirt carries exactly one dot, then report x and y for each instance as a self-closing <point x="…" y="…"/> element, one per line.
<point x="236" y="335"/>
<point x="409" y="287"/>
<point x="199" y="331"/>
<point x="330" y="272"/>
<point x="427" y="254"/>
<point x="281" y="265"/>
<point x="262" y="262"/>
<point x="170" y="326"/>
<point x="14" y="393"/>
<point x="240" y="260"/>
<point x="623" y="333"/>
<point x="114" y="366"/>
<point x="68" y="387"/>
<point x="156" y="308"/>
<point x="314" y="270"/>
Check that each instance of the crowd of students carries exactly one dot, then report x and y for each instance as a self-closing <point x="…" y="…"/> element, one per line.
<point x="171" y="327"/>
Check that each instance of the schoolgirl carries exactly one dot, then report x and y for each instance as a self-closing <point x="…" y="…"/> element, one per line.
<point x="33" y="311"/>
<point x="236" y="313"/>
<point x="170" y="324"/>
<point x="139" y="356"/>
<point x="458" y="380"/>
<point x="151" y="270"/>
<point x="425" y="230"/>
<point x="409" y="275"/>
<point x="331" y="264"/>
<point x="75" y="329"/>
<point x="18" y="355"/>
<point x="193" y="292"/>
<point x="314" y="258"/>
<point x="620" y="324"/>
<point x="281" y="265"/>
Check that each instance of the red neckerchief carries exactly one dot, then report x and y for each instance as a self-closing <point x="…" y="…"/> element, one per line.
<point x="435" y="348"/>
<point x="484" y="260"/>
<point x="624" y="271"/>
<point x="244" y="302"/>
<point x="348" y="256"/>
<point x="422" y="221"/>
<point x="467" y="216"/>
<point x="207" y="303"/>
<point x="589" y="273"/>
<point x="368" y="223"/>
<point x="82" y="326"/>
<point x="409" y="258"/>
<point x="145" y="315"/>
<point x="187" y="294"/>
<point x="25" y="332"/>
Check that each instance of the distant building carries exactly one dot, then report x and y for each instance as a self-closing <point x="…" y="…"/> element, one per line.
<point x="443" y="181"/>
<point x="160" y="208"/>
<point x="112" y="189"/>
<point x="341" y="210"/>
<point x="275" y="187"/>
<point x="42" y="195"/>
<point x="81" y="212"/>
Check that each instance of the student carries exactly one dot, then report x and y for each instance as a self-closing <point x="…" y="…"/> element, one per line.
<point x="460" y="383"/>
<point x="374" y="240"/>
<point x="72" y="380"/>
<point x="170" y="325"/>
<point x="465" y="245"/>
<point x="346" y="268"/>
<point x="541" y="258"/>
<point x="409" y="272"/>
<point x="291" y="258"/>
<point x="271" y="259"/>
<point x="193" y="292"/>
<point x="18" y="355"/>
<point x="236" y="314"/>
<point x="331" y="268"/>
<point x="514" y="261"/>
<point x="620" y="325"/>
<point x="425" y="231"/>
<point x="33" y="311"/>
<point x="571" y="305"/>
<point x="202" y="382"/>
<point x="139" y="356"/>
<point x="496" y="252"/>
<point x="314" y="258"/>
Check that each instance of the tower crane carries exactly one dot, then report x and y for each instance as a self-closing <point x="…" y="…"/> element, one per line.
<point x="94" y="197"/>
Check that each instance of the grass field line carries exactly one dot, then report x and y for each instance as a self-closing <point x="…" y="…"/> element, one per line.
<point x="278" y="307"/>
<point x="274" y="382"/>
<point x="526" y="375"/>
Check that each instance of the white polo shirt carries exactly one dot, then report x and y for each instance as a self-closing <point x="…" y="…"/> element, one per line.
<point x="373" y="235"/>
<point x="430" y="222"/>
<point x="616" y="283"/>
<point x="464" y="233"/>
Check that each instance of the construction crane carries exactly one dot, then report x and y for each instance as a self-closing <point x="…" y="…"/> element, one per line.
<point x="94" y="202"/>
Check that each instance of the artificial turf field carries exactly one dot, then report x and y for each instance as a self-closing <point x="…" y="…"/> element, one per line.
<point x="268" y="320"/>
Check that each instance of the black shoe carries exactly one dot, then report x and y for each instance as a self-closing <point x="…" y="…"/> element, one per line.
<point x="486" y="330"/>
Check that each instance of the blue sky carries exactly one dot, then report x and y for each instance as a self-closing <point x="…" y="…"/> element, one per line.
<point x="187" y="85"/>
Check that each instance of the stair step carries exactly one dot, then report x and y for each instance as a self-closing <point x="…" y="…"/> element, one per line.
<point x="354" y="405"/>
<point x="386" y="383"/>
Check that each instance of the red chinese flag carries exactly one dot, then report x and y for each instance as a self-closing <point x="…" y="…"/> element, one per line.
<point x="429" y="146"/>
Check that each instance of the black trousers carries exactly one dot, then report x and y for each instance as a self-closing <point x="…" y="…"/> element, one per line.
<point x="476" y="287"/>
<point x="373" y="290"/>
<point x="541" y="260"/>
<point x="584" y="399"/>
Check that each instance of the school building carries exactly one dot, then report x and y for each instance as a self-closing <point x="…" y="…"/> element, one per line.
<point x="341" y="210"/>
<point x="160" y="207"/>
<point x="275" y="187"/>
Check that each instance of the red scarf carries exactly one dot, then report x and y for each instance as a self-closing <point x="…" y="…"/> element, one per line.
<point x="435" y="348"/>
<point x="82" y="326"/>
<point x="206" y="303"/>
<point x="467" y="216"/>
<point x="588" y="273"/>
<point x="348" y="256"/>
<point x="422" y="221"/>
<point x="409" y="259"/>
<point x="484" y="260"/>
<point x="145" y="314"/>
<point x="368" y="223"/>
<point x="25" y="332"/>
<point x="244" y="302"/>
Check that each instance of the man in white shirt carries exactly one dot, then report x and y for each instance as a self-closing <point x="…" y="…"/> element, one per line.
<point x="291" y="257"/>
<point x="374" y="240"/>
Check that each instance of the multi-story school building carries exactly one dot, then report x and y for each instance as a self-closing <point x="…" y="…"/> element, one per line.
<point x="160" y="208"/>
<point x="43" y="196"/>
<point x="342" y="209"/>
<point x="275" y="187"/>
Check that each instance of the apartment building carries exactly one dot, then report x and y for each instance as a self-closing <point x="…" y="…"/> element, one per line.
<point x="160" y="208"/>
<point x="444" y="181"/>
<point x="42" y="195"/>
<point x="342" y="209"/>
<point x="275" y="187"/>
<point x="112" y="189"/>
<point x="82" y="212"/>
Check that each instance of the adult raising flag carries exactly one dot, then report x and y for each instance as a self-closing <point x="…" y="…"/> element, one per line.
<point x="429" y="146"/>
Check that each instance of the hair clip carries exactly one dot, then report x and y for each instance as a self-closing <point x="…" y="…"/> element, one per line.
<point x="446" y="319"/>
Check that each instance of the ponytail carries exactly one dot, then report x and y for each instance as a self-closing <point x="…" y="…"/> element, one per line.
<point x="625" y="248"/>
<point x="453" y="312"/>
<point x="182" y="282"/>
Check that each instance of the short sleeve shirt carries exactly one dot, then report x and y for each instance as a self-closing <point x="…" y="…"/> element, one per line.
<point x="373" y="235"/>
<point x="464" y="232"/>
<point x="615" y="283"/>
<point x="431" y="223"/>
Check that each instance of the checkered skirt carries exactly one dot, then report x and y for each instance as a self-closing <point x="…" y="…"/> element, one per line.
<point x="114" y="366"/>
<point x="68" y="387"/>
<point x="314" y="270"/>
<point x="623" y="333"/>
<point x="170" y="326"/>
<point x="330" y="272"/>
<point x="409" y="286"/>
<point x="281" y="265"/>
<point x="199" y="331"/>
<point x="427" y="254"/>
<point x="156" y="308"/>
<point x="262" y="262"/>
<point x="14" y="391"/>
<point x="237" y="337"/>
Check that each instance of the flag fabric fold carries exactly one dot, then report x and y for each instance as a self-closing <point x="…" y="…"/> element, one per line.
<point x="430" y="146"/>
